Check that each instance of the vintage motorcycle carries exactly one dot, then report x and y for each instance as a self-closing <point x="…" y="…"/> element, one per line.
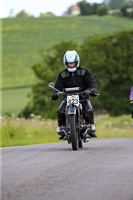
<point x="75" y="128"/>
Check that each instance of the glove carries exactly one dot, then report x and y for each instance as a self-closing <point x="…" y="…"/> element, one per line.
<point x="54" y="97"/>
<point x="93" y="92"/>
<point x="84" y="94"/>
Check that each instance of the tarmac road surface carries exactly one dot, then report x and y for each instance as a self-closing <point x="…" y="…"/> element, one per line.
<point x="102" y="170"/>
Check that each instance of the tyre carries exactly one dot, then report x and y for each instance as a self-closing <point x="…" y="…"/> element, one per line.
<point x="74" y="134"/>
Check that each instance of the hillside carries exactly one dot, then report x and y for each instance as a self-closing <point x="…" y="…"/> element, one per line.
<point x="24" y="37"/>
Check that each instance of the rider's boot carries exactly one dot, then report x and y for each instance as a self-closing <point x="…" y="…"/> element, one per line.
<point x="60" y="131"/>
<point x="91" y="131"/>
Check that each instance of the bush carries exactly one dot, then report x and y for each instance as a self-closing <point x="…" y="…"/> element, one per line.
<point x="48" y="14"/>
<point x="102" y="10"/>
<point x="22" y="14"/>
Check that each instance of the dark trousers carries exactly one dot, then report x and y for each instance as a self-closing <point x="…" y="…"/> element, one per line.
<point x="88" y="112"/>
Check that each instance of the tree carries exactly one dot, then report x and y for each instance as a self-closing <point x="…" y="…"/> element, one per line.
<point x="85" y="8"/>
<point x="22" y="14"/>
<point x="124" y="11"/>
<point x="130" y="4"/>
<point x="116" y="4"/>
<point x="94" y="8"/>
<point x="102" y="10"/>
<point x="111" y="61"/>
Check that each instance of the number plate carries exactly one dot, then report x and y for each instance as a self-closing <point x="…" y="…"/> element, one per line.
<point x="74" y="99"/>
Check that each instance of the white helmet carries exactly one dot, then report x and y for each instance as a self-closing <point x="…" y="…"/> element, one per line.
<point x="71" y="60"/>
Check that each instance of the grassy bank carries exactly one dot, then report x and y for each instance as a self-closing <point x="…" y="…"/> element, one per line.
<point x="24" y="37"/>
<point x="114" y="127"/>
<point x="16" y="131"/>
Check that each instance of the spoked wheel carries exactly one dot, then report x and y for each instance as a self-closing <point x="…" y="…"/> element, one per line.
<point x="74" y="134"/>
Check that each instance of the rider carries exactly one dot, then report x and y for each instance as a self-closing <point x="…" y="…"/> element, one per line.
<point x="75" y="76"/>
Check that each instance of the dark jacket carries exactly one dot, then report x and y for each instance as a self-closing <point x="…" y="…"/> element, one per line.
<point x="82" y="78"/>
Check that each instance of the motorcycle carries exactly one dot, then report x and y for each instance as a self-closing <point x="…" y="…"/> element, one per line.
<point x="76" y="128"/>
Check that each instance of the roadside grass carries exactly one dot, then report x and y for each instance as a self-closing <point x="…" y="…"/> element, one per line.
<point x="114" y="127"/>
<point x="19" y="131"/>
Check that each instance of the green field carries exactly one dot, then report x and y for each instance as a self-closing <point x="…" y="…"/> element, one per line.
<point x="14" y="100"/>
<point x="22" y="39"/>
<point x="16" y="131"/>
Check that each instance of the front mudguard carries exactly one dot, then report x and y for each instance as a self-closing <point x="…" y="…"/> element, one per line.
<point x="71" y="111"/>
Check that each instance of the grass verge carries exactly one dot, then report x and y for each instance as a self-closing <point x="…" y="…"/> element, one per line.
<point x="114" y="127"/>
<point x="19" y="131"/>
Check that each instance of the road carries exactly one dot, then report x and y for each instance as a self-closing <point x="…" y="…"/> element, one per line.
<point x="102" y="170"/>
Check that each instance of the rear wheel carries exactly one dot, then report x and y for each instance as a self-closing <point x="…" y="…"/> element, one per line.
<point x="74" y="134"/>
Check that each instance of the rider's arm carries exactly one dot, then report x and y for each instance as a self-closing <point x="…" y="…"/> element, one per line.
<point x="59" y="85"/>
<point x="90" y="80"/>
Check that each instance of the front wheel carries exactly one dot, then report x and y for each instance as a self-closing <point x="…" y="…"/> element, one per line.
<point x="73" y="131"/>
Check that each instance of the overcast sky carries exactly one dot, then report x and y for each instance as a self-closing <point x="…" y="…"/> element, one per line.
<point x="35" y="7"/>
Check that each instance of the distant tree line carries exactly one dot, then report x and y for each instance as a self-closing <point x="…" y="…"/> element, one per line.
<point x="109" y="58"/>
<point x="103" y="8"/>
<point x="118" y="4"/>
<point x="90" y="9"/>
<point x="23" y="14"/>
<point x="120" y="8"/>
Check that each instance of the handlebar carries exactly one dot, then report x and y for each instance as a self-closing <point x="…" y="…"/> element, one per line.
<point x="88" y="92"/>
<point x="85" y="92"/>
<point x="70" y="91"/>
